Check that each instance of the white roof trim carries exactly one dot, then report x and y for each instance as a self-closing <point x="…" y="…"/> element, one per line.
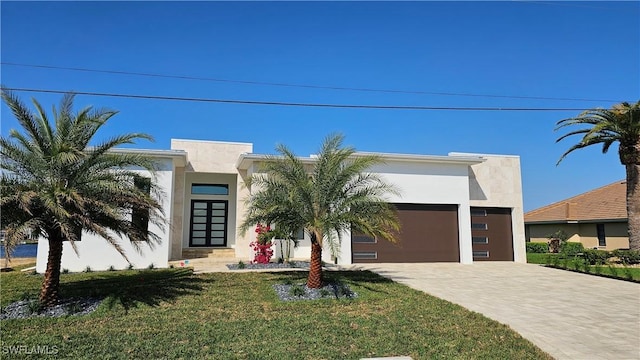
<point x="179" y="157"/>
<point x="245" y="160"/>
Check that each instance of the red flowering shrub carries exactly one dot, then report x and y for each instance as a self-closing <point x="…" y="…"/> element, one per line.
<point x="262" y="246"/>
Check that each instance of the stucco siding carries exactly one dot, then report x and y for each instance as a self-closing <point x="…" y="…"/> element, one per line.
<point x="420" y="183"/>
<point x="96" y="253"/>
<point x="616" y="235"/>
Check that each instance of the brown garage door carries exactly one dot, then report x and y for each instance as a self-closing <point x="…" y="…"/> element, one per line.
<point x="491" y="234"/>
<point x="429" y="233"/>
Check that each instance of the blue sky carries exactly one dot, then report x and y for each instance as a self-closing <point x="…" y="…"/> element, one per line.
<point x="580" y="50"/>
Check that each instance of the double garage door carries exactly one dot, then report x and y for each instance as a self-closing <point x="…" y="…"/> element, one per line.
<point x="429" y="233"/>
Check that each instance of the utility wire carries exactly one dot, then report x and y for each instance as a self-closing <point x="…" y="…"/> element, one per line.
<point x="184" y="77"/>
<point x="279" y="103"/>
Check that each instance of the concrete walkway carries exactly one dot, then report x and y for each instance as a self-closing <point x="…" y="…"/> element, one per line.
<point x="566" y="314"/>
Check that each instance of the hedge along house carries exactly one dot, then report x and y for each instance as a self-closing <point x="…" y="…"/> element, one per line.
<point x="455" y="208"/>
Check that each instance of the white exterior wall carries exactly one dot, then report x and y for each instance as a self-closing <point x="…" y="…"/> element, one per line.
<point x="418" y="183"/>
<point x="498" y="183"/>
<point x="434" y="183"/>
<point x="98" y="254"/>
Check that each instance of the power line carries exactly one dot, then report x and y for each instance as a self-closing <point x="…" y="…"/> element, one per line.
<point x="184" y="77"/>
<point x="278" y="103"/>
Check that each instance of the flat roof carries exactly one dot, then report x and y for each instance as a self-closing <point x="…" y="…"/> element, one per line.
<point x="180" y="156"/>
<point x="245" y="160"/>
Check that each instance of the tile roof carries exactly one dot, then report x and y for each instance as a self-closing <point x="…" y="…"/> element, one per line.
<point x="604" y="203"/>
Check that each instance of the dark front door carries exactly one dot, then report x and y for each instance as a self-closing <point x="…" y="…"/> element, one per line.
<point x="208" y="223"/>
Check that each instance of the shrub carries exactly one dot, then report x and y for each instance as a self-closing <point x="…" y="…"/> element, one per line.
<point x="596" y="256"/>
<point x="73" y="308"/>
<point x="34" y="307"/>
<point x="627" y="257"/>
<point x="26" y="296"/>
<point x="597" y="269"/>
<point x="577" y="264"/>
<point x="572" y="248"/>
<point x="65" y="271"/>
<point x="130" y="267"/>
<point x="88" y="269"/>
<point x="241" y="265"/>
<point x="111" y="268"/>
<point x="151" y="266"/>
<point x="537" y="247"/>
<point x="297" y="290"/>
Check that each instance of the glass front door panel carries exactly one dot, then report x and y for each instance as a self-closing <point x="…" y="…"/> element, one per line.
<point x="208" y="223"/>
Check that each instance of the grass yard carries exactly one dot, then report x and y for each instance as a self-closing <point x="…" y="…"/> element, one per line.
<point x="576" y="264"/>
<point x="173" y="314"/>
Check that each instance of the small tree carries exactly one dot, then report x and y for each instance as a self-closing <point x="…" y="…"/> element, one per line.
<point x="56" y="185"/>
<point x="327" y="198"/>
<point x="557" y="240"/>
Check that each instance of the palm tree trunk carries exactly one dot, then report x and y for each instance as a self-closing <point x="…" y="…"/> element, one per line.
<point x="633" y="205"/>
<point x="315" y="268"/>
<point x="51" y="283"/>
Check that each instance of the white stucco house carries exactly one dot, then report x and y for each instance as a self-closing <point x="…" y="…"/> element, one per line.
<point x="454" y="208"/>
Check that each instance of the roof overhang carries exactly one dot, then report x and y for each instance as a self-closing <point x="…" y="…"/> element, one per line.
<point x="565" y="221"/>
<point x="179" y="157"/>
<point x="246" y="160"/>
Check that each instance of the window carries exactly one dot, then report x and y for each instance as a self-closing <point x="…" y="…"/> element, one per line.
<point x="479" y="226"/>
<point x="140" y="216"/>
<point x="299" y="235"/>
<point x="478" y="212"/>
<point x="480" y="240"/>
<point x="371" y="255"/>
<point x="210" y="189"/>
<point x="481" y="254"/>
<point x="363" y="239"/>
<point x="602" y="240"/>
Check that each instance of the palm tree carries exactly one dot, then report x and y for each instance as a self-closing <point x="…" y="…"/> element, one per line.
<point x="327" y="197"/>
<point x="620" y="124"/>
<point x="56" y="185"/>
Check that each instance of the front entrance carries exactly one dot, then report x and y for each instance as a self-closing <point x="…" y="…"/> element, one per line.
<point x="208" y="223"/>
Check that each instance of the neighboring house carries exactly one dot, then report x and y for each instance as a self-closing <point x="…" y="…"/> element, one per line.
<point x="597" y="218"/>
<point x="454" y="208"/>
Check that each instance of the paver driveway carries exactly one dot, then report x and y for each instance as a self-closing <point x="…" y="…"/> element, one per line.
<point x="568" y="315"/>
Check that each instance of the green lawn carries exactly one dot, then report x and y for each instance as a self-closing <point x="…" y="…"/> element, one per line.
<point x="576" y="264"/>
<point x="176" y="315"/>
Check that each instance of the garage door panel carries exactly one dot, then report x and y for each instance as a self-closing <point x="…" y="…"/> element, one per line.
<point x="492" y="237"/>
<point x="429" y="233"/>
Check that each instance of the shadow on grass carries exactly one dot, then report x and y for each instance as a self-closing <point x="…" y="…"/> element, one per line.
<point x="362" y="278"/>
<point x="150" y="287"/>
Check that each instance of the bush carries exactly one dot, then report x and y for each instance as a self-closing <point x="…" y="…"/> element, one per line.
<point x="594" y="257"/>
<point x="627" y="257"/>
<point x="572" y="248"/>
<point x="297" y="291"/>
<point x="537" y="247"/>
